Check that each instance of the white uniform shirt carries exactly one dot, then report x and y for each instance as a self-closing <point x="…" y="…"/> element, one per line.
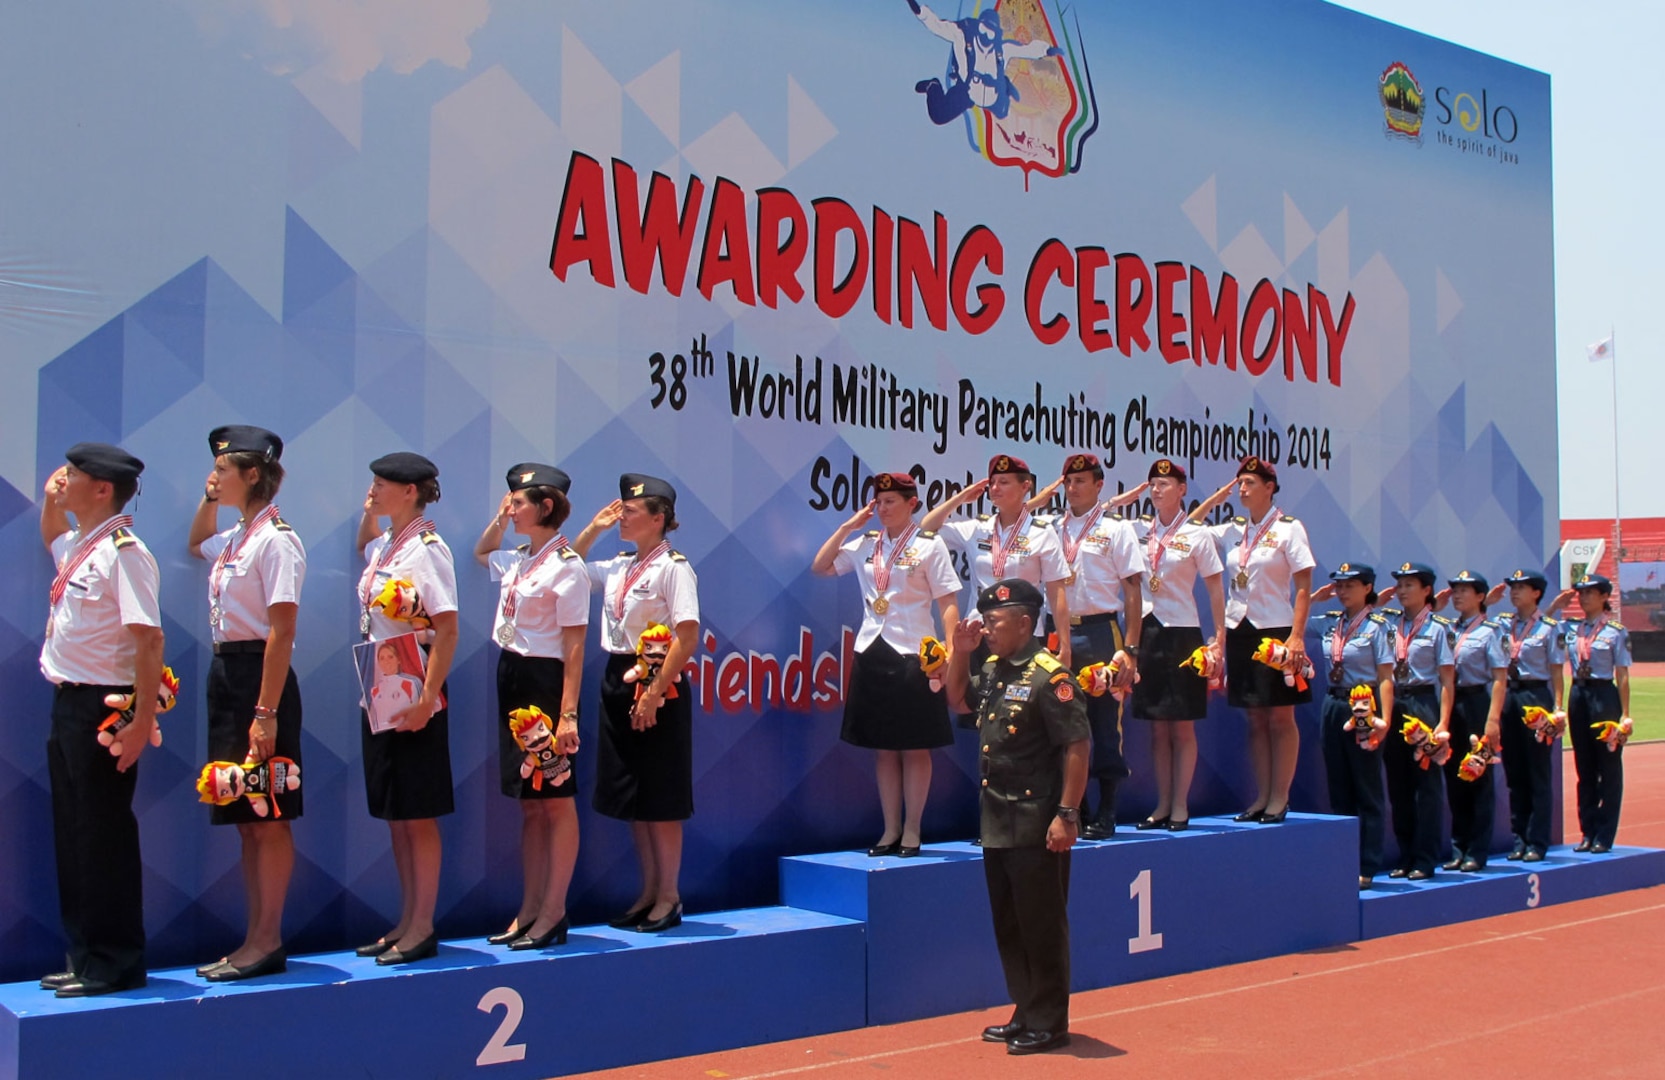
<point x="113" y="588"/>
<point x="666" y="593"/>
<point x="1189" y="555"/>
<point x="922" y="573"/>
<point x="1108" y="553"/>
<point x="1279" y="554"/>
<point x="267" y="570"/>
<point x="554" y="596"/>
<point x="425" y="562"/>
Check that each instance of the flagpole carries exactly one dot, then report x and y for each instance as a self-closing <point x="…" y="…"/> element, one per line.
<point x="1618" y="513"/>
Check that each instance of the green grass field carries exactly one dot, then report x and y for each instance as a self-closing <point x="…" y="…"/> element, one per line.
<point x="1647" y="708"/>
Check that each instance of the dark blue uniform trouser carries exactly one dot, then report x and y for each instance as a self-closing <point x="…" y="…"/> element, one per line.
<point x="1526" y="765"/>
<point x="1029" y="892"/>
<point x="1093" y="642"/>
<point x="1413" y="790"/>
<point x="1355" y="776"/>
<point x="1601" y="772"/>
<point x="96" y="836"/>
<point x="1473" y="802"/>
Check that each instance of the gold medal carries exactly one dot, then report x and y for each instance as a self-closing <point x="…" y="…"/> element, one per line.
<point x="1241" y="580"/>
<point x="880" y="605"/>
<point x="1156" y="583"/>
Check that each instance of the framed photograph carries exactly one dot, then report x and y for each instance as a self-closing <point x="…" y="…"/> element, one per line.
<point x="390" y="675"/>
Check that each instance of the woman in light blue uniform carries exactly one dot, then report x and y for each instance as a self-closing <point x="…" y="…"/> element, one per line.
<point x="1536" y="657"/>
<point x="1477" y="711"/>
<point x="1422" y="680"/>
<point x="1599" y="650"/>
<point x="1358" y="644"/>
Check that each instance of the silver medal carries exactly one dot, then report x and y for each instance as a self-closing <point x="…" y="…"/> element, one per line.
<point x="364" y="622"/>
<point x="214" y="616"/>
<point x="506" y="634"/>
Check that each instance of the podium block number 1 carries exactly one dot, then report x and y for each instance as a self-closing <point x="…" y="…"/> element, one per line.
<point x="1139" y="890"/>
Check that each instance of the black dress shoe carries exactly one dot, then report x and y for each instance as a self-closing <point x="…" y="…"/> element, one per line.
<point x="275" y="962"/>
<point x="907" y="851"/>
<point x="1532" y="855"/>
<point x="1274" y="819"/>
<point x="1518" y="852"/>
<point x="1152" y="823"/>
<point x="1419" y="875"/>
<point x="1178" y="826"/>
<point x="671" y="918"/>
<point x="1098" y="830"/>
<point x="1471" y="865"/>
<point x="375" y="948"/>
<point x="507" y="936"/>
<point x="1600" y="847"/>
<point x="85" y="987"/>
<point x="1582" y="845"/>
<point x="877" y="851"/>
<point x="57" y="979"/>
<point x="1398" y="872"/>
<point x="556" y="935"/>
<point x="1250" y="815"/>
<point x="1038" y="1042"/>
<point x="1453" y="863"/>
<point x="632" y="919"/>
<point x="1002" y="1032"/>
<point x="427" y="947"/>
<point x="1365" y="883"/>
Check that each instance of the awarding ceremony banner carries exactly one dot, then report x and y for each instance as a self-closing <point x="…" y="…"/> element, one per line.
<point x="764" y="251"/>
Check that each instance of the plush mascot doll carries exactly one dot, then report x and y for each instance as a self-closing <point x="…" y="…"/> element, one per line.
<point x="109" y="732"/>
<point x="1546" y="726"/>
<point x="1428" y="749"/>
<point x="651" y="651"/>
<point x="1478" y="759"/>
<point x="1615" y="733"/>
<point x="1101" y="678"/>
<point x="1274" y="653"/>
<point x="1368" y="729"/>
<point x="399" y="601"/>
<point x="530" y="727"/>
<point x="933" y="657"/>
<point x="1199" y="662"/>
<point x="224" y="782"/>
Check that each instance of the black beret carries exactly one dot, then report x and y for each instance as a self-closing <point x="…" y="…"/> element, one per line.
<point x="1009" y="592"/>
<point x="1477" y="582"/>
<point x="1081" y="463"/>
<point x="900" y="482"/>
<point x="1528" y="577"/>
<point x="1006" y="463"/>
<point x="101" y="461"/>
<point x="244" y="438"/>
<point x="641" y="486"/>
<point x="1167" y="467"/>
<point x="1354" y="571"/>
<point x="1421" y="571"/>
<point x="531" y="474"/>
<point x="404" y="468"/>
<point x="1594" y="581"/>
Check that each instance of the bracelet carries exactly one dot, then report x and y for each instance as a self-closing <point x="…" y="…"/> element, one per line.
<point x="209" y="498"/>
<point x="570" y="714"/>
<point x="261" y="712"/>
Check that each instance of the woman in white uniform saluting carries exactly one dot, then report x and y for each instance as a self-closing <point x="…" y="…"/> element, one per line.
<point x="543" y="610"/>
<point x="254" y="703"/>
<point x="645" y="756"/>
<point x="407" y="771"/>
<point x="891" y="707"/>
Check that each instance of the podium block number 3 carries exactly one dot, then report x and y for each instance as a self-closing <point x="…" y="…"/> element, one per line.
<point x="500" y="1049"/>
<point x="1139" y="890"/>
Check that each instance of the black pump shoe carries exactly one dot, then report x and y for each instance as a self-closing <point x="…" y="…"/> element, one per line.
<point x="275" y="962"/>
<point x="427" y="947"/>
<point x="630" y="919"/>
<point x="671" y="918"/>
<point x="1152" y="823"/>
<point x="507" y="936"/>
<point x="556" y="935"/>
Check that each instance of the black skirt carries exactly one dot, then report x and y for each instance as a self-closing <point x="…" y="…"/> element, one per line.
<point x="891" y="706"/>
<point x="1251" y="684"/>
<point x="643" y="775"/>
<point x="407" y="774"/>
<point x="1166" y="691"/>
<point x="523" y="681"/>
<point x="233" y="692"/>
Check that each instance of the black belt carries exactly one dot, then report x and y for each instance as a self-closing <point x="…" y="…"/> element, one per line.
<point x="239" y="648"/>
<point x="1419" y="690"/>
<point x="1586" y="680"/>
<point x="1470" y="691"/>
<point x="1093" y="620"/>
<point x="66" y="687"/>
<point x="1345" y="692"/>
<point x="1528" y="684"/>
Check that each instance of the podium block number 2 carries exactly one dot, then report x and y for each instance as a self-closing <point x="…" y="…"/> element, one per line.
<point x="1139" y="890"/>
<point x="499" y="1049"/>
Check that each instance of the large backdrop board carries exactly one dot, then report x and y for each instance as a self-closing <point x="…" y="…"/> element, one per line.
<point x="751" y="247"/>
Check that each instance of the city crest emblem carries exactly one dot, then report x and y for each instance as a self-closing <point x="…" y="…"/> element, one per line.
<point x="1403" y="104"/>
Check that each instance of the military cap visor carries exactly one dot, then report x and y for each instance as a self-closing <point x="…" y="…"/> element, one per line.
<point x="1354" y="572"/>
<point x="1419" y="571"/>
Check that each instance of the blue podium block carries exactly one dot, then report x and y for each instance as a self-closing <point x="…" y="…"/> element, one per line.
<point x="1142" y="906"/>
<point x="608" y="998"/>
<point x="1397" y="907"/>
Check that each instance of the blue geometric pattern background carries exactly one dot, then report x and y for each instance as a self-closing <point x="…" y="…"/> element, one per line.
<point x="398" y="296"/>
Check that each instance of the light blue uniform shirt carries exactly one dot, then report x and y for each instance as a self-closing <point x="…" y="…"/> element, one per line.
<point x="1370" y="645"/>
<point x="1428" y="650"/>
<point x="1609" y="649"/>
<point x="1541" y="648"/>
<point x="1477" y="644"/>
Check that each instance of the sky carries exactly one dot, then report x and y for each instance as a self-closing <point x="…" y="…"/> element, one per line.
<point x="1609" y="147"/>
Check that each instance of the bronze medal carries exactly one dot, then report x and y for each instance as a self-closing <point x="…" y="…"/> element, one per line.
<point x="1514" y="671"/>
<point x="1156" y="583"/>
<point x="1402" y="670"/>
<point x="1337" y="676"/>
<point x="880" y="605"/>
<point x="1583" y="670"/>
<point x="1241" y="580"/>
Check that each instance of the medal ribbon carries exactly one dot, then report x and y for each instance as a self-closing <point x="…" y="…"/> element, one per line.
<point x="229" y="553"/>
<point x="1516" y="640"/>
<point x="1157" y="545"/>
<point x="1402" y="647"/>
<point x="524" y="569"/>
<point x="881" y="566"/>
<point x="1584" y="643"/>
<point x="1072" y="548"/>
<point x="80" y="555"/>
<point x="420" y="525"/>
<point x="1339" y="640"/>
<point x="1457" y="650"/>
<point x="1249" y="544"/>
<point x="1003" y="548"/>
<point x="633" y="574"/>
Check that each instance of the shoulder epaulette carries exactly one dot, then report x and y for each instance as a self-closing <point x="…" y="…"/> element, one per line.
<point x="1047" y="662"/>
<point x="1332" y="614"/>
<point x="1378" y="617"/>
<point x="524" y="549"/>
<point x="1239" y="521"/>
<point x="1146" y="517"/>
<point x="872" y="532"/>
<point x="984" y="517"/>
<point x="1443" y="620"/>
<point x="1397" y="612"/>
<point x="677" y="556"/>
<point x="568" y="553"/>
<point x="281" y="525"/>
<point x="430" y="537"/>
<point x="1287" y="518"/>
<point x="124" y="537"/>
<point x="1547" y="619"/>
<point x="928" y="534"/>
<point x="1046" y="520"/>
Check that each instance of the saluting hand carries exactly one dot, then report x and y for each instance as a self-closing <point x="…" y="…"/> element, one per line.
<point x="968" y="634"/>
<point x="608" y="516"/>
<point x="1385" y="596"/>
<point x="1325" y="592"/>
<point x="1441" y="598"/>
<point x="861" y="517"/>
<point x="56" y="482"/>
<point x="1495" y="593"/>
<point x="503" y="509"/>
<point x="1044" y="496"/>
<point x="1131" y="495"/>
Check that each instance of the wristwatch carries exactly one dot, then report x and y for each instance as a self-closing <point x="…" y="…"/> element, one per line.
<point x="1069" y="814"/>
<point x="1131" y="650"/>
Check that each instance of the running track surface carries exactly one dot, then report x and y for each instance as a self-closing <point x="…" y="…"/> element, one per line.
<point x="1570" y="990"/>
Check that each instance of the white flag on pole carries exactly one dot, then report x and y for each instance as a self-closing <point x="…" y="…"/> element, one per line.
<point x="1601" y="350"/>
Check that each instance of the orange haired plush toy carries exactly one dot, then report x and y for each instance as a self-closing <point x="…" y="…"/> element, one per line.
<point x="933" y="657"/>
<point x="652" y="648"/>
<point x="1477" y="760"/>
<point x="1615" y="733"/>
<point x="530" y="727"/>
<point x="1099" y="678"/>
<point x="224" y="782"/>
<point x="1368" y="729"/>
<point x="109" y="732"/>
<point x="1275" y="654"/>
<point x="1203" y="664"/>
<point x="1428" y="748"/>
<point x="1546" y="726"/>
<point x="400" y="602"/>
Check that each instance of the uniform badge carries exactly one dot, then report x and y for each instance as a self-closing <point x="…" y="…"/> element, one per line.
<point x="1017" y="692"/>
<point x="526" y="477"/>
<point x="1064" y="690"/>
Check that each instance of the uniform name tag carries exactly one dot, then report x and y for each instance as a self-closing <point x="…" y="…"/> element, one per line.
<point x="1019" y="692"/>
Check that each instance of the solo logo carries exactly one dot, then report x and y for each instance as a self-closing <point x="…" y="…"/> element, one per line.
<point x="1475" y="116"/>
